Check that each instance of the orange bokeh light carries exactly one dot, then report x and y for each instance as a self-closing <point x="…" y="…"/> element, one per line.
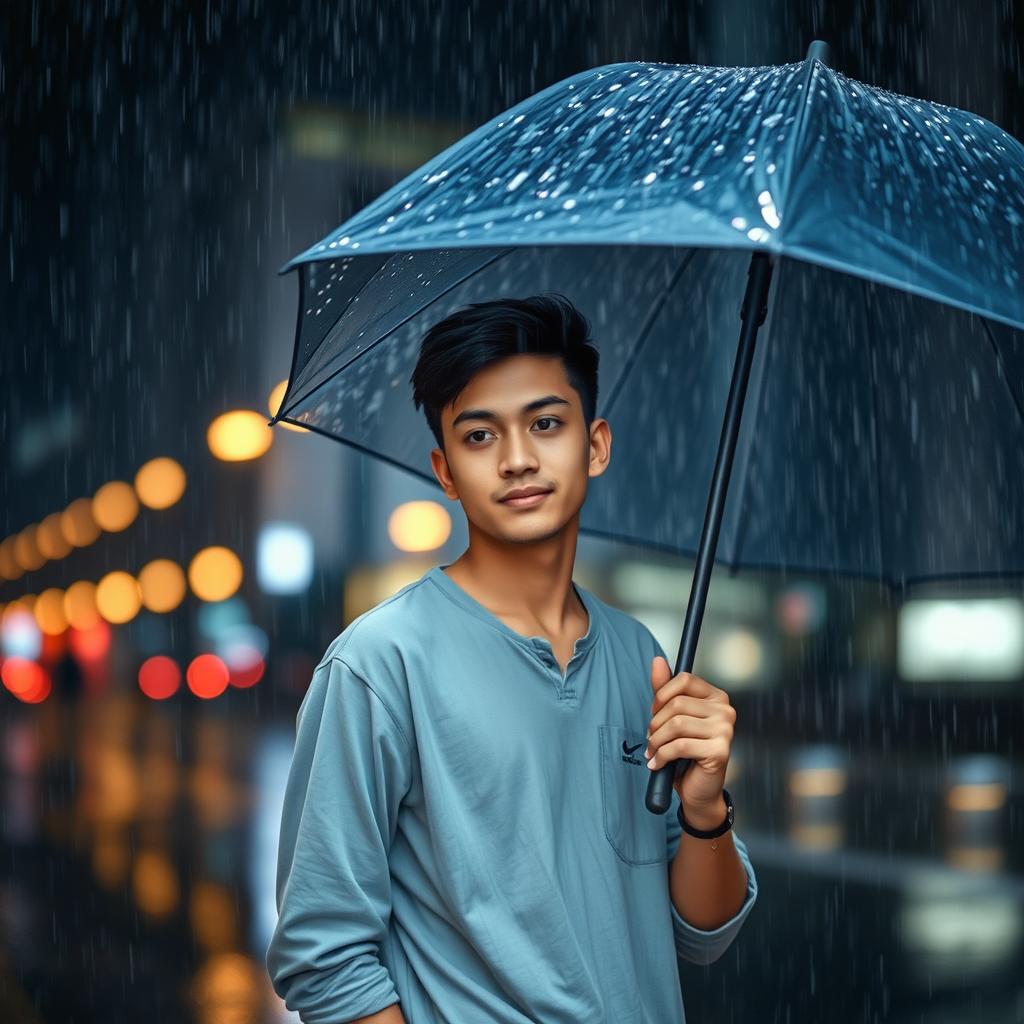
<point x="160" y="482"/>
<point x="215" y="573"/>
<point x="80" y="605"/>
<point x="49" y="611"/>
<point x="115" y="506"/>
<point x="51" y="541"/>
<point x="77" y="523"/>
<point x="26" y="551"/>
<point x="118" y="596"/>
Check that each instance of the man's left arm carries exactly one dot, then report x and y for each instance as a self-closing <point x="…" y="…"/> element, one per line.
<point x="712" y="882"/>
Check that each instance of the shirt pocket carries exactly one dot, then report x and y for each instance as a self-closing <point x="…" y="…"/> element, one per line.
<point x="632" y="831"/>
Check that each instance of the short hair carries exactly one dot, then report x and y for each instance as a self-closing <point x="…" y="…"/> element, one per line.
<point x="458" y="347"/>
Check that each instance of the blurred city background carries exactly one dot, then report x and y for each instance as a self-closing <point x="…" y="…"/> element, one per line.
<point x="171" y="569"/>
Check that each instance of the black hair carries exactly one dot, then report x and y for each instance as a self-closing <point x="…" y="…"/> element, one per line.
<point x="455" y="349"/>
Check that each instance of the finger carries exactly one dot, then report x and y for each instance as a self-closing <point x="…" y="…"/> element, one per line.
<point x="683" y="704"/>
<point x="684" y="682"/>
<point x="689" y="747"/>
<point x="680" y="727"/>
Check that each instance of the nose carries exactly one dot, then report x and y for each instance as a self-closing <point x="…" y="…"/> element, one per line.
<point x="517" y="454"/>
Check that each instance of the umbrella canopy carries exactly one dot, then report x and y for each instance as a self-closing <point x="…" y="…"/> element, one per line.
<point x="883" y="433"/>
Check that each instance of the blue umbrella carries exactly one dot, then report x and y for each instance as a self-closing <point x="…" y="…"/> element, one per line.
<point x="874" y="241"/>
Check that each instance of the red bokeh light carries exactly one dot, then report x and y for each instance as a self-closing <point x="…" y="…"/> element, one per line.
<point x="53" y="647"/>
<point x="249" y="675"/>
<point x="159" y="677"/>
<point x="92" y="643"/>
<point x="207" y="676"/>
<point x="26" y="679"/>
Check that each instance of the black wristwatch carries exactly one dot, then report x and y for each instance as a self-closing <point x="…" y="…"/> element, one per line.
<point x="711" y="833"/>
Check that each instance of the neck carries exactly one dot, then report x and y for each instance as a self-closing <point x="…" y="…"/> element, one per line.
<point x="528" y="583"/>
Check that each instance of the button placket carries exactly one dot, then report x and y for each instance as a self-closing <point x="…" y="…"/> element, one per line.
<point x="547" y="656"/>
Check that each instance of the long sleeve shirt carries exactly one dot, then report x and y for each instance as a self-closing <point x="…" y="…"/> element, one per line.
<point x="464" y="828"/>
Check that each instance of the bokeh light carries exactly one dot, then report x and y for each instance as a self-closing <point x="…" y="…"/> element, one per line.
<point x="159" y="677"/>
<point x="215" y="573"/>
<point x="118" y="597"/>
<point x="9" y="568"/>
<point x="26" y="679"/>
<point x="115" y="506"/>
<point x="239" y="435"/>
<point x="80" y="604"/>
<point x="419" y="526"/>
<point x="213" y="916"/>
<point x="155" y="883"/>
<point x="77" y="523"/>
<point x="20" y="636"/>
<point x="50" y="538"/>
<point x="91" y="643"/>
<point x="26" y="551"/>
<point x="162" y="583"/>
<point x="274" y="404"/>
<point x="49" y="611"/>
<point x="284" y="558"/>
<point x="249" y="675"/>
<point x="160" y="482"/>
<point x="207" y="676"/>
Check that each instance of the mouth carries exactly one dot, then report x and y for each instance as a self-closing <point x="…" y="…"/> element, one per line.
<point x="528" y="502"/>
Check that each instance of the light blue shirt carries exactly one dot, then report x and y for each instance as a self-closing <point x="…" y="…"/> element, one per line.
<point x="464" y="828"/>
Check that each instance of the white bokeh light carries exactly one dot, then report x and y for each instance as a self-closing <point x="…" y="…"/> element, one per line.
<point x="284" y="558"/>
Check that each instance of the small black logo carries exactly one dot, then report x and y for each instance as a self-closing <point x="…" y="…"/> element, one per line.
<point x="627" y="752"/>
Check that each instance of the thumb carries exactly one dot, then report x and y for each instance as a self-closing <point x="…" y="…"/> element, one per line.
<point x="661" y="672"/>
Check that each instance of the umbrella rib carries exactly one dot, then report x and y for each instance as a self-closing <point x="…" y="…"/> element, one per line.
<point x="874" y="427"/>
<point x="1002" y="369"/>
<point x="795" y="138"/>
<point x="402" y="323"/>
<point x="303" y="287"/>
<point x="645" y="331"/>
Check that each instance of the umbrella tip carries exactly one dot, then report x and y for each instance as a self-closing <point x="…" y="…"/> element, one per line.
<point x="819" y="50"/>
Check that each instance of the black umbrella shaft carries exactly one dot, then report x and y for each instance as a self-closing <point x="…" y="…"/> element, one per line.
<point x="752" y="314"/>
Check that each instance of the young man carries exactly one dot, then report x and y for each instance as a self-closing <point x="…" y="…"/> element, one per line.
<point x="464" y="836"/>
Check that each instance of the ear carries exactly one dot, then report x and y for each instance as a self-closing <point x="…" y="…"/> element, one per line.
<point x="600" y="447"/>
<point x="439" y="464"/>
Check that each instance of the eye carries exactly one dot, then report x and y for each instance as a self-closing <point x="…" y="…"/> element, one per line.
<point x="541" y="419"/>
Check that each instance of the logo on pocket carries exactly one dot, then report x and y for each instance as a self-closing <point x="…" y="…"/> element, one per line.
<point x="627" y="752"/>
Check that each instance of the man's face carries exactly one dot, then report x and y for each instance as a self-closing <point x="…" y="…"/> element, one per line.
<point x="547" y="446"/>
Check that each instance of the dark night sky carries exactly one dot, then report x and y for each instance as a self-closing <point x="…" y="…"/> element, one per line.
<point x="143" y="150"/>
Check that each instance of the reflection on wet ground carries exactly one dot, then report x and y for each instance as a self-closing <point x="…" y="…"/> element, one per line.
<point x="137" y="881"/>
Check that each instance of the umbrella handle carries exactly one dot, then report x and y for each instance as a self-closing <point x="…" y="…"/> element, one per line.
<point x="752" y="314"/>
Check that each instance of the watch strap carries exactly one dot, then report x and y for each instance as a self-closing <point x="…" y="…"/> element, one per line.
<point x="713" y="833"/>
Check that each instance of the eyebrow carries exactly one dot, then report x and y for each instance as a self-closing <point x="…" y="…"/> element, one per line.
<point x="486" y="414"/>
